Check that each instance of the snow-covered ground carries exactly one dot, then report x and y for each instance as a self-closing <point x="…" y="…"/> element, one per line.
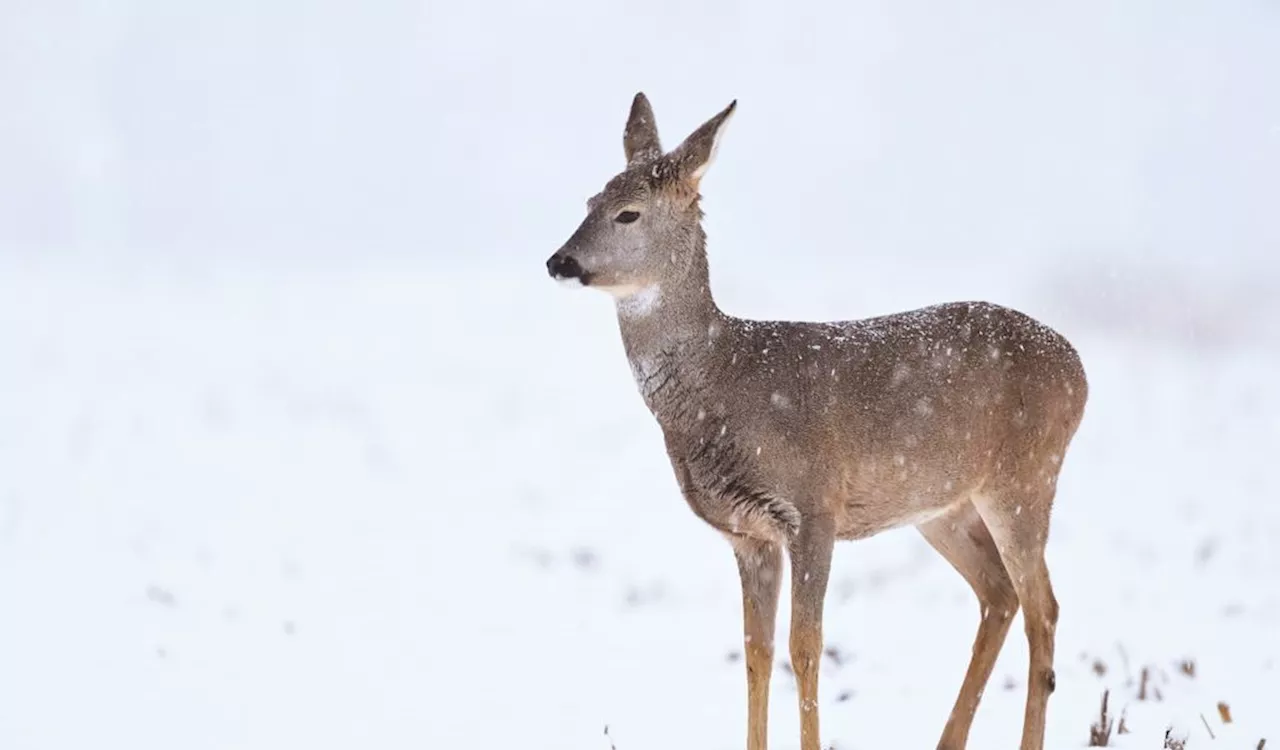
<point x="300" y="447"/>
<point x="400" y="507"/>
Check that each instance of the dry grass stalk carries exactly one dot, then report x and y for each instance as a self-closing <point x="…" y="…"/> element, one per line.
<point x="610" y="738"/>
<point x="1147" y="687"/>
<point x="1100" y="731"/>
<point x="1173" y="743"/>
<point x="1124" y="659"/>
<point x="1123" y="727"/>
<point x="1207" y="728"/>
<point x="1224" y="712"/>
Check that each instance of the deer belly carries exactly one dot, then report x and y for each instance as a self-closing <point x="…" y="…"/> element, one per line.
<point x="856" y="525"/>
<point x="872" y="502"/>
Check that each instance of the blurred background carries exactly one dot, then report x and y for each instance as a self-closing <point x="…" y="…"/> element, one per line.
<point x="299" y="445"/>
<point x="459" y="132"/>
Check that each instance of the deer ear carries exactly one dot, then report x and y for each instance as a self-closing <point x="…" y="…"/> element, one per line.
<point x="640" y="138"/>
<point x="694" y="156"/>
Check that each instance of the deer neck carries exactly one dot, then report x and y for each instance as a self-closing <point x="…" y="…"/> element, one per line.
<point x="669" y="331"/>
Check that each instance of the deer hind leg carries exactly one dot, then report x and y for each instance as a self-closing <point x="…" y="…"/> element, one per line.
<point x="810" y="568"/>
<point x="963" y="539"/>
<point x="1019" y="523"/>
<point x="760" y="568"/>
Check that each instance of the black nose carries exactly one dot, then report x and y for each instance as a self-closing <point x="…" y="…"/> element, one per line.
<point x="563" y="267"/>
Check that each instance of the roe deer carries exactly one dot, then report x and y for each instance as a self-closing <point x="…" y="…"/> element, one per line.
<point x="790" y="435"/>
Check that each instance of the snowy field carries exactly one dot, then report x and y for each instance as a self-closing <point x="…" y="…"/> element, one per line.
<point x="301" y="448"/>
<point x="338" y="509"/>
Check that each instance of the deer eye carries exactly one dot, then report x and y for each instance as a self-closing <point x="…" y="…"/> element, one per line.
<point x="626" y="217"/>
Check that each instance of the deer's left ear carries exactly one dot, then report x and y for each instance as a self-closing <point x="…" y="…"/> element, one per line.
<point x="694" y="156"/>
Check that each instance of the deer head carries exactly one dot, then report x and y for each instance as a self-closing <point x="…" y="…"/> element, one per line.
<point x="643" y="231"/>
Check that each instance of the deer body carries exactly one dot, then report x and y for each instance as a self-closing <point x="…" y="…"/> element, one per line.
<point x="786" y="436"/>
<point x="878" y="423"/>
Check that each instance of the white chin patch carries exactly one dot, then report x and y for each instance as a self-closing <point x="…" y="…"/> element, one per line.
<point x="636" y="300"/>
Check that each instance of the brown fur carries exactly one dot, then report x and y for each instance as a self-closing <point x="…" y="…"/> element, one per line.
<point x="790" y="435"/>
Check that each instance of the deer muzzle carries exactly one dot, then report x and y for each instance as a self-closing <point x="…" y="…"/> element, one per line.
<point x="563" y="267"/>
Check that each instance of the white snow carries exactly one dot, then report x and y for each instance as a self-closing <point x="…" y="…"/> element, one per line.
<point x="371" y="528"/>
